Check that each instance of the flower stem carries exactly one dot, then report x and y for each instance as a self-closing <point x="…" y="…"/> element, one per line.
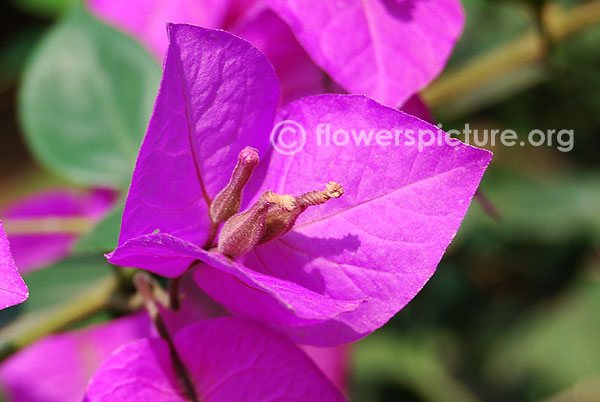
<point x="174" y="292"/>
<point x="146" y="286"/>
<point x="48" y="225"/>
<point x="212" y="235"/>
<point x="23" y="332"/>
<point x="510" y="59"/>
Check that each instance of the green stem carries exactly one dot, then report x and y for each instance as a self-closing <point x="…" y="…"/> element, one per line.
<point x="148" y="288"/>
<point x="48" y="225"/>
<point x="513" y="57"/>
<point x="25" y="331"/>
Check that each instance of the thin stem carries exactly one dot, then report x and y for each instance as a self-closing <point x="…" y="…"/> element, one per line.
<point x="212" y="234"/>
<point x="147" y="288"/>
<point x="124" y="277"/>
<point x="174" y="292"/>
<point x="510" y="58"/>
<point x="25" y="331"/>
<point x="48" y="225"/>
<point x="537" y="11"/>
<point x="487" y="206"/>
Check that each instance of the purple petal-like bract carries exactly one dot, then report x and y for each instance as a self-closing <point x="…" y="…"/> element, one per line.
<point x="195" y="305"/>
<point x="218" y="94"/>
<point x="145" y="19"/>
<point x="349" y="265"/>
<point x="334" y="362"/>
<point x="58" y="367"/>
<point x="297" y="74"/>
<point x="378" y="243"/>
<point x="249" y="19"/>
<point x="416" y="106"/>
<point x="12" y="288"/>
<point x="34" y="251"/>
<point x="228" y="359"/>
<point x="283" y="301"/>
<point x="386" y="49"/>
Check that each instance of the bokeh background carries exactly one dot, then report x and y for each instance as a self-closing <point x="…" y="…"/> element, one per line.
<point x="513" y="312"/>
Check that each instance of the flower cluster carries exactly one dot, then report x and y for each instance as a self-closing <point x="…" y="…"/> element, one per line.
<point x="385" y="49"/>
<point x="268" y="253"/>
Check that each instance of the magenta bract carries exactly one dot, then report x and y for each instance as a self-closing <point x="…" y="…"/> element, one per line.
<point x="386" y="49"/>
<point x="348" y="266"/>
<point x="228" y="359"/>
<point x="58" y="367"/>
<point x="12" y="288"/>
<point x="33" y="251"/>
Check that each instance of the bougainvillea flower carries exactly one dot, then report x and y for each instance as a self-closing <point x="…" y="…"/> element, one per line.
<point x="12" y="288"/>
<point x="416" y="107"/>
<point x="227" y="359"/>
<point x="39" y="246"/>
<point x="57" y="368"/>
<point x="386" y="49"/>
<point x="348" y="265"/>
<point x="333" y="362"/>
<point x="145" y="20"/>
<point x="195" y="305"/>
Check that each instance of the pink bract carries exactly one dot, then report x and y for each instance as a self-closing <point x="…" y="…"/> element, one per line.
<point x="34" y="251"/>
<point x="386" y="49"/>
<point x="349" y="265"/>
<point x="12" y="288"/>
<point x="57" y="368"/>
<point x="227" y="359"/>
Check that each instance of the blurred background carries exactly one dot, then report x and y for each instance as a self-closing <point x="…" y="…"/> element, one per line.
<point x="513" y="311"/>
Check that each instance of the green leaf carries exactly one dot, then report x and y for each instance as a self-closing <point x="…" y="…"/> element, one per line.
<point x="551" y="211"/>
<point x="44" y="8"/>
<point x="104" y="236"/>
<point x="14" y="52"/>
<point x="488" y="24"/>
<point x="552" y="347"/>
<point x="409" y="361"/>
<point x="85" y="101"/>
<point x="57" y="283"/>
<point x="54" y="285"/>
<point x="585" y="390"/>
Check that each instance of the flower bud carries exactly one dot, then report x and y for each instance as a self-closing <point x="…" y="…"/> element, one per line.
<point x="243" y="231"/>
<point x="227" y="202"/>
<point x="279" y="221"/>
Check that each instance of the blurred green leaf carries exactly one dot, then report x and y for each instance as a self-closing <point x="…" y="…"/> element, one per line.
<point x="57" y="283"/>
<point x="86" y="99"/>
<point x="552" y="347"/>
<point x="104" y="236"/>
<point x="586" y="390"/>
<point x="14" y="53"/>
<point x="412" y="362"/>
<point x="488" y="24"/>
<point x="547" y="210"/>
<point x="44" y="8"/>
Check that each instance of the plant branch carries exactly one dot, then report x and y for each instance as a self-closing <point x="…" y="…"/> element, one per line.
<point x="22" y="333"/>
<point x="524" y="52"/>
<point x="174" y="292"/>
<point x="148" y="288"/>
<point x="49" y="225"/>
